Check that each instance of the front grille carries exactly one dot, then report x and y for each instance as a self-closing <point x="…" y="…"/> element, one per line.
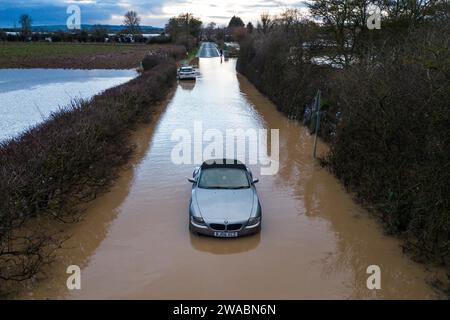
<point x="229" y="227"/>
<point x="217" y="226"/>
<point x="235" y="226"/>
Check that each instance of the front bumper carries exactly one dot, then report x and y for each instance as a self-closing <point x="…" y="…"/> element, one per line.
<point x="186" y="77"/>
<point x="206" y="230"/>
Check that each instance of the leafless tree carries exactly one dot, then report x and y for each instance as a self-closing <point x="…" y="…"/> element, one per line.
<point x="25" y="23"/>
<point x="132" y="22"/>
<point x="266" y="23"/>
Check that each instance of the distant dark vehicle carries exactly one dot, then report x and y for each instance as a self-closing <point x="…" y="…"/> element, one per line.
<point x="224" y="202"/>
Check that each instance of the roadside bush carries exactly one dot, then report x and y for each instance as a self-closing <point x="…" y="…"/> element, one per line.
<point x="162" y="39"/>
<point x="53" y="167"/>
<point x="393" y="144"/>
<point x="150" y="61"/>
<point x="275" y="66"/>
<point x="165" y="52"/>
<point x="386" y="115"/>
<point x="176" y="52"/>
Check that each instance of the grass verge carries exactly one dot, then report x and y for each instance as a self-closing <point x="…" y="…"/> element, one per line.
<point x="192" y="57"/>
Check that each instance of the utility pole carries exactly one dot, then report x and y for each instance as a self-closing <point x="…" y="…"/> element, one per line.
<point x="187" y="28"/>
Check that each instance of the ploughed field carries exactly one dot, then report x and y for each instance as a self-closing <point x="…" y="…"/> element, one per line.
<point x="76" y="55"/>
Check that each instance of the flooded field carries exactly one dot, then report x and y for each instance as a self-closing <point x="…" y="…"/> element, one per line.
<point x="316" y="242"/>
<point x="28" y="96"/>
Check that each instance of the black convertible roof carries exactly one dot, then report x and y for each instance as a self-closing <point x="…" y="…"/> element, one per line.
<point x="223" y="163"/>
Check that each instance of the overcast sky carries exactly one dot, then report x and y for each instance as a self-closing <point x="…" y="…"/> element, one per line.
<point x="152" y="12"/>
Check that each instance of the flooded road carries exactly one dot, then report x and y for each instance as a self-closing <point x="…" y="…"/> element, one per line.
<point x="208" y="50"/>
<point x="29" y="96"/>
<point x="315" y="241"/>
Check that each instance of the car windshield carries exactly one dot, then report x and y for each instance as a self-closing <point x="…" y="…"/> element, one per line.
<point x="223" y="178"/>
<point x="186" y="69"/>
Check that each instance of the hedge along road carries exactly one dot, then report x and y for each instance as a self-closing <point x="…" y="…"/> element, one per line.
<point x="315" y="241"/>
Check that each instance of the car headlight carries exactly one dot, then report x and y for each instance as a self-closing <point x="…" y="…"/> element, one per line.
<point x="253" y="220"/>
<point x="198" y="220"/>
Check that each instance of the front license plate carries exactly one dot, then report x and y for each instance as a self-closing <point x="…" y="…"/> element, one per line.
<point x="223" y="234"/>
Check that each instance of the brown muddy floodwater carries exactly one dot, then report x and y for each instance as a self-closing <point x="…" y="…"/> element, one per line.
<point x="315" y="241"/>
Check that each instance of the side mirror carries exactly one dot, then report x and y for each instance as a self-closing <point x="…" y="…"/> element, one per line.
<point x="195" y="172"/>
<point x="255" y="181"/>
<point x="191" y="180"/>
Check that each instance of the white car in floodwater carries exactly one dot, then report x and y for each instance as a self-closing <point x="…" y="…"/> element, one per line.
<point x="187" y="73"/>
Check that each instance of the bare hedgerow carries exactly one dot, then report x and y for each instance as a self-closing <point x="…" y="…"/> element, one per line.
<point x="393" y="144"/>
<point x="47" y="171"/>
<point x="385" y="110"/>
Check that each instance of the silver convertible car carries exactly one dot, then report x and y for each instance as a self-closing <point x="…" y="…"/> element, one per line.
<point x="224" y="202"/>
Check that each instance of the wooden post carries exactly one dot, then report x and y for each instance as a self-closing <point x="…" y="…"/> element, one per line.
<point x="317" y="122"/>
